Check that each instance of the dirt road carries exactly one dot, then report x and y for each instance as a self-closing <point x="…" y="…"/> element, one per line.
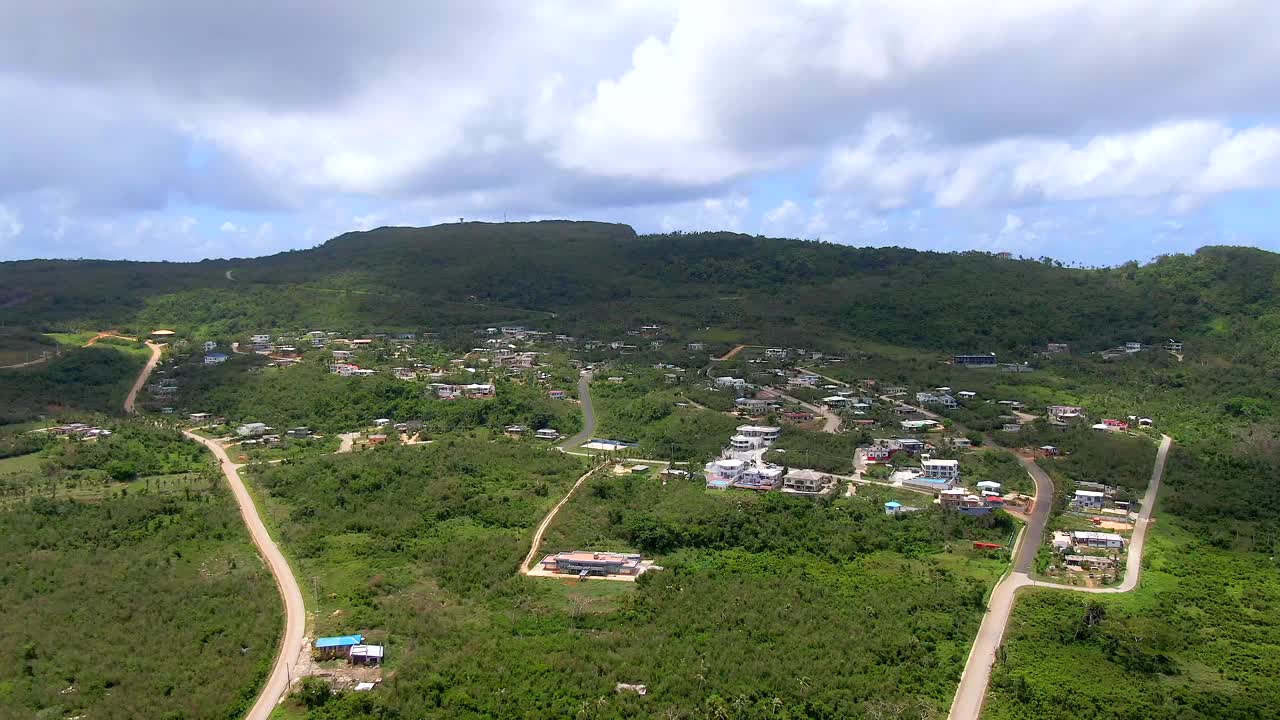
<point x="295" y="611"/>
<point x="546" y="522"/>
<point x="142" y="376"/>
<point x="972" y="690"/>
<point x="729" y="355"/>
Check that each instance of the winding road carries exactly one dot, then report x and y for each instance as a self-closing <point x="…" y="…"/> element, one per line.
<point x="295" y="610"/>
<point x="972" y="690"/>
<point x="588" y="414"/>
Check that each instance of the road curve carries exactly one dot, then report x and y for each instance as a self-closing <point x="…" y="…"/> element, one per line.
<point x="972" y="690"/>
<point x="142" y="376"/>
<point x="295" y="611"/>
<point x="588" y="414"/>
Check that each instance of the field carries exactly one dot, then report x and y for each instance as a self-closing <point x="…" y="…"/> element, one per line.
<point x="134" y="603"/>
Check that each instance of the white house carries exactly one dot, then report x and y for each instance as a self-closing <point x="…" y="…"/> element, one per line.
<point x="966" y="394"/>
<point x="215" y="358"/>
<point x="1089" y="538"/>
<point x="260" y="339"/>
<point x="917" y="425"/>
<point x="210" y="345"/>
<point x="342" y="356"/>
<point x="1133" y="347"/>
<point x="1088" y="499"/>
<point x="253" y="429"/>
<point x="805" y="481"/>
<point x="775" y="353"/>
<point x="941" y="469"/>
<point x="766" y="433"/>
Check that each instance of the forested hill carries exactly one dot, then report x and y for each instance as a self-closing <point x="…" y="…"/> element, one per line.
<point x="600" y="277"/>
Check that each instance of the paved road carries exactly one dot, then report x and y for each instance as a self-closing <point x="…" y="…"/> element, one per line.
<point x="142" y="376"/>
<point x="588" y="414"/>
<point x="972" y="690"/>
<point x="295" y="611"/>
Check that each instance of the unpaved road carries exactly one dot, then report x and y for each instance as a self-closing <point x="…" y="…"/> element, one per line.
<point x="729" y="355"/>
<point x="295" y="611"/>
<point x="347" y="440"/>
<point x="546" y="522"/>
<point x="142" y="376"/>
<point x="972" y="690"/>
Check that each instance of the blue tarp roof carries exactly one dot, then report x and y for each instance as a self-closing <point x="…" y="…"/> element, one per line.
<point x="893" y="504"/>
<point x="340" y="641"/>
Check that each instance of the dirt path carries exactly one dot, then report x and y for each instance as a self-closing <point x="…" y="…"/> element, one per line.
<point x="972" y="691"/>
<point x="142" y="376"/>
<point x="546" y="522"/>
<point x="348" y="439"/>
<point x="295" y="611"/>
<point x="729" y="355"/>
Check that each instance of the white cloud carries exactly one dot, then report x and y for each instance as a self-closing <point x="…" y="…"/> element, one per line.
<point x="10" y="224"/>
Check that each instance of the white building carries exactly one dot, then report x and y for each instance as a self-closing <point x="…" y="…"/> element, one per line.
<point x="252" y="429"/>
<point x="766" y="433"/>
<point x="775" y="353"/>
<point x="805" y="482"/>
<point x="1088" y="499"/>
<point x="941" y="469"/>
<point x="1089" y="538"/>
<point x="917" y="425"/>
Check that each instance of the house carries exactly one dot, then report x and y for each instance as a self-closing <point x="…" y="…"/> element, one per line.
<point x="759" y="477"/>
<point x="752" y="405"/>
<point x="382" y="422"/>
<point x="617" y="380"/>
<point x="990" y="485"/>
<point x="210" y="345"/>
<point x="804" y="380"/>
<point x="585" y="563"/>
<point x="1089" y="538"/>
<point x="1089" y="562"/>
<point x="765" y="433"/>
<point x="1173" y="346"/>
<point x="798" y="417"/>
<point x="941" y="469"/>
<point x="201" y="417"/>
<point x="733" y="382"/>
<point x="1088" y="500"/>
<point x="298" y="432"/>
<point x="328" y="648"/>
<point x="966" y="394"/>
<point x="1016" y="367"/>
<point x="926" y="398"/>
<point x="1048" y="450"/>
<point x="260" y="339"/>
<point x="556" y="394"/>
<point x="917" y="425"/>
<point x="365" y="655"/>
<point x="402" y="373"/>
<point x="515" y="430"/>
<point x="987" y="360"/>
<point x="1062" y="541"/>
<point x="892" y="507"/>
<point x="378" y="439"/>
<point x="547" y="434"/>
<point x="961" y="442"/>
<point x="253" y="429"/>
<point x="808" y="482"/>
<point x="1064" y="412"/>
<point x="722" y="473"/>
<point x="1012" y="427"/>
<point x="342" y="356"/>
<point x="834" y="401"/>
<point x="696" y="347"/>
<point x="215" y="358"/>
<point x="775" y="353"/>
<point x="1057" y="348"/>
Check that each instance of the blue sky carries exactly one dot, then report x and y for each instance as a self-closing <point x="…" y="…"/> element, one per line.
<point x="1038" y="127"/>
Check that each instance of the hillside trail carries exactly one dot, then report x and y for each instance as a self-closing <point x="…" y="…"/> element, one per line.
<point x="138" y="384"/>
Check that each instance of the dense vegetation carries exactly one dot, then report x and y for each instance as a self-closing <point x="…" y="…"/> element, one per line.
<point x="95" y="379"/>
<point x="138" y="600"/>
<point x="308" y="395"/>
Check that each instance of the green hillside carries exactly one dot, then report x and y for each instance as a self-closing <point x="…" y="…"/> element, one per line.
<point x="599" y="277"/>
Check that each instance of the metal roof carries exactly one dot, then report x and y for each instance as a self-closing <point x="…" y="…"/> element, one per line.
<point x="338" y="641"/>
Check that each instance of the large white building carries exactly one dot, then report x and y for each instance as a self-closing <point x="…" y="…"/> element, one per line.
<point x="941" y="469"/>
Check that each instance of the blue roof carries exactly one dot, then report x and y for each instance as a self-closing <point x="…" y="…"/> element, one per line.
<point x="340" y="641"/>
<point x="893" y="504"/>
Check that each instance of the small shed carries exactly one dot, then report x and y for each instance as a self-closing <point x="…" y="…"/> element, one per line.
<point x="892" y="507"/>
<point x="327" y="648"/>
<point x="366" y="655"/>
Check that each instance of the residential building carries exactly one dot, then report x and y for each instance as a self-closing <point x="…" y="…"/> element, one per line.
<point x="557" y="394"/>
<point x="803" y="380"/>
<point x="260" y="339"/>
<point x="215" y="358"/>
<point x="696" y="347"/>
<point x="806" y="482"/>
<point x="1173" y="345"/>
<point x="966" y="394"/>
<point x="210" y="345"/>
<point x="298" y="432"/>
<point x="547" y="434"/>
<point x="927" y="398"/>
<point x="941" y="469"/>
<point x="762" y="477"/>
<point x="774" y="353"/>
<point x="365" y="655"/>
<point x="766" y="433"/>
<point x="918" y="425"/>
<point x="253" y="429"/>
<point x="200" y="417"/>
<point x="1088" y="500"/>
<point x="585" y="563"/>
<point x="733" y="382"/>
<point x="892" y="507"/>
<point x="988" y="359"/>
<point x="1089" y="562"/>
<point x="343" y="356"/>
<point x="1064" y="412"/>
<point x="1089" y="538"/>
<point x="1133" y="347"/>
<point x="1056" y="348"/>
<point x="724" y="472"/>
<point x="752" y="405"/>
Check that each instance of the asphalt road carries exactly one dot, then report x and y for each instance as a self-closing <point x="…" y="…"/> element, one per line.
<point x="588" y="414"/>
<point x="972" y="690"/>
<point x="295" y="611"/>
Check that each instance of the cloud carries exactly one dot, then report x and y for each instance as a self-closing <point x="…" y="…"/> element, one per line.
<point x="10" y="224"/>
<point x="309" y="117"/>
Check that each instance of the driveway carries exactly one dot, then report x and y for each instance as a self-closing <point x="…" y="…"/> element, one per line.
<point x="295" y="611"/>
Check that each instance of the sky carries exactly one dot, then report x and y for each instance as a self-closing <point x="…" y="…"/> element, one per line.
<point x="1091" y="132"/>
